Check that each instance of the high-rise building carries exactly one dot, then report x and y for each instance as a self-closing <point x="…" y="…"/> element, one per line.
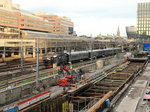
<point x="61" y="25"/>
<point x="131" y="31"/>
<point x="143" y="20"/>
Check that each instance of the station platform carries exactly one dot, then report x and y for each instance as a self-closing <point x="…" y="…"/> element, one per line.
<point x="133" y="99"/>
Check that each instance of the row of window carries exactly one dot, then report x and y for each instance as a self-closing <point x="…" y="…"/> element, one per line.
<point x="47" y="17"/>
<point x="9" y="17"/>
<point x="35" y="26"/>
<point x="148" y="29"/>
<point x="66" y="25"/>
<point x="143" y="24"/>
<point x="51" y="20"/>
<point x="143" y="5"/>
<point x="143" y="19"/>
<point x="143" y="33"/>
<point x="35" y="22"/>
<point x="8" y="22"/>
<point x="143" y="11"/>
<point x="66" y="22"/>
<point x="144" y="16"/>
<point x="33" y="18"/>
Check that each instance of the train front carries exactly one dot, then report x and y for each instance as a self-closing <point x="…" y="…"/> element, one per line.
<point x="49" y="60"/>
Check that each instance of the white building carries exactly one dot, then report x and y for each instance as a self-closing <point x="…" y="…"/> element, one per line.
<point x="7" y="4"/>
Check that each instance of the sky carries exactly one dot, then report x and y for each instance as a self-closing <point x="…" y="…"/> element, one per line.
<point x="90" y="17"/>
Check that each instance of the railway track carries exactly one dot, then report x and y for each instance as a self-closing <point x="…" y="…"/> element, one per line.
<point x="16" y="76"/>
<point x="112" y="81"/>
<point x="16" y="66"/>
<point x="12" y="72"/>
<point x="84" y="97"/>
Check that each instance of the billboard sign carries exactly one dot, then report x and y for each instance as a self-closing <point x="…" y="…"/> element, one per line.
<point x="146" y="47"/>
<point x="12" y="109"/>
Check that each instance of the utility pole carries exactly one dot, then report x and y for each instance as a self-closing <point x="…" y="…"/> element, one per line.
<point x="21" y="50"/>
<point x="45" y="47"/>
<point x="70" y="52"/>
<point x="37" y="64"/>
<point x="91" y="49"/>
<point x="4" y="52"/>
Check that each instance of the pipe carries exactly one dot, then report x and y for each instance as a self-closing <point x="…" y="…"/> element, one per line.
<point x="95" y="107"/>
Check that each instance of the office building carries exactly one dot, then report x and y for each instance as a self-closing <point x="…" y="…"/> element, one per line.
<point x="131" y="31"/>
<point x="61" y="25"/>
<point x="14" y="20"/>
<point x="28" y="21"/>
<point x="143" y="20"/>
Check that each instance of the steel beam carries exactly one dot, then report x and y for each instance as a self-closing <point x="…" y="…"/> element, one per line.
<point x="95" y="107"/>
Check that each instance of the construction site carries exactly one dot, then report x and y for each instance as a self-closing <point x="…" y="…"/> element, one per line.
<point x="46" y="67"/>
<point x="32" y="82"/>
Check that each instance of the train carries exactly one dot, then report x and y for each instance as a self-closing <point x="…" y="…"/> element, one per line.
<point x="65" y="58"/>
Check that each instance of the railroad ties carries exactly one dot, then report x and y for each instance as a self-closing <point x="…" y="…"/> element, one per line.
<point x="92" y="96"/>
<point x="114" y="81"/>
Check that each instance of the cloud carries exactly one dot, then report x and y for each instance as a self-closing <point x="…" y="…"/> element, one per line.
<point x="89" y="16"/>
<point x="104" y="26"/>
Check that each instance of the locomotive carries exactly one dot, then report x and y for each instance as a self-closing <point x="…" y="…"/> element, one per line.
<point x="65" y="58"/>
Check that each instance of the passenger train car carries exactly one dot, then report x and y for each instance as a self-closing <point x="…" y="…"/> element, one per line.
<point x="64" y="58"/>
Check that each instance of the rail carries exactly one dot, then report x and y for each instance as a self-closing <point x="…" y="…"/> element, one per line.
<point x="111" y="81"/>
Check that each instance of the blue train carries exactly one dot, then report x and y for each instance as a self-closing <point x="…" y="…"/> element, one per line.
<point x="64" y="58"/>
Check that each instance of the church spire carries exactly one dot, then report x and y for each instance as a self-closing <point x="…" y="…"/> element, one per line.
<point x="118" y="32"/>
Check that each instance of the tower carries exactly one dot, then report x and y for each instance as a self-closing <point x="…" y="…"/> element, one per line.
<point x="143" y="20"/>
<point x="118" y="32"/>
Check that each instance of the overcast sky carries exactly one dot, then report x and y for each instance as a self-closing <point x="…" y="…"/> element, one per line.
<point x="90" y="16"/>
